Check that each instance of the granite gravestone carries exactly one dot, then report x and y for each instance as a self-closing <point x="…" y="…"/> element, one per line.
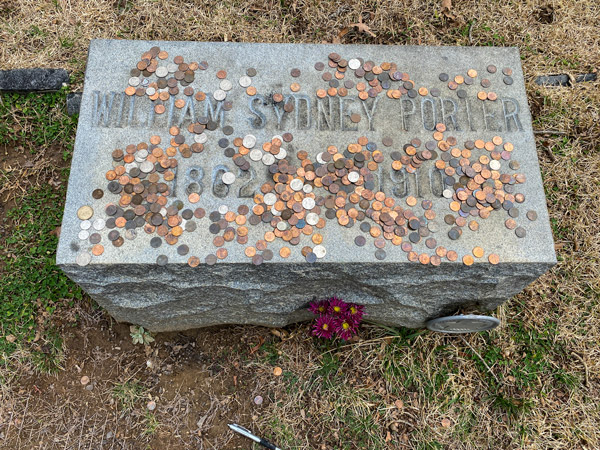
<point x="217" y="183"/>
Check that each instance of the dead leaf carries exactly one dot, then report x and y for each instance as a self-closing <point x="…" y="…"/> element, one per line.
<point x="362" y="27"/>
<point x="446" y="7"/>
<point x="399" y="404"/>
<point x="388" y="437"/>
<point x="11" y="338"/>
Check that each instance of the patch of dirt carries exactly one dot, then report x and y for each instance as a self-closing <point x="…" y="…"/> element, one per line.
<point x="199" y="380"/>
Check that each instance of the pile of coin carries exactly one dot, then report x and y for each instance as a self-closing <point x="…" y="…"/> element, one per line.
<point x="298" y="199"/>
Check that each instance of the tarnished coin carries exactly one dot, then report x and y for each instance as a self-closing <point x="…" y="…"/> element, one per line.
<point x="83" y="258"/>
<point x="531" y="215"/>
<point x="162" y="260"/>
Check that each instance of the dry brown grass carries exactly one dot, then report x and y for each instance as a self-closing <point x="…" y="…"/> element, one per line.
<point x="542" y="387"/>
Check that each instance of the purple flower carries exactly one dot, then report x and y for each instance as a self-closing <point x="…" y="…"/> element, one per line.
<point x="355" y="312"/>
<point x="337" y="306"/>
<point x="319" y="308"/>
<point x="345" y="328"/>
<point x="324" y="327"/>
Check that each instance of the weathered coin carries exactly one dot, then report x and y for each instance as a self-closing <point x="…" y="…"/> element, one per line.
<point x="256" y="154"/>
<point x="99" y="224"/>
<point x="162" y="260"/>
<point x="85" y="212"/>
<point x="83" y="258"/>
<point x="226" y="85"/>
<point x="268" y="159"/>
<point x="531" y="215"/>
<point x="520" y="232"/>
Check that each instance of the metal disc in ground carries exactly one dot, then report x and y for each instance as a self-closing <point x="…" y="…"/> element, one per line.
<point x="463" y="324"/>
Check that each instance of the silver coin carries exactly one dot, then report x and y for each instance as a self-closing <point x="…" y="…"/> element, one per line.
<point x="99" y="224"/>
<point x="282" y="225"/>
<point x="256" y="154"/>
<point x="200" y="138"/>
<point x="282" y="154"/>
<point x="83" y="234"/>
<point x="433" y="227"/>
<point x="277" y="137"/>
<point x="268" y="159"/>
<point x="145" y="82"/>
<point x="249" y="141"/>
<point x="447" y="193"/>
<point x="296" y="184"/>
<point x="85" y="224"/>
<point x="320" y="159"/>
<point x="146" y="167"/>
<point x="468" y="323"/>
<point x="495" y="165"/>
<point x="245" y="81"/>
<point x="134" y="81"/>
<point x="354" y="63"/>
<point x="312" y="218"/>
<point x="226" y="85"/>
<point x="353" y="177"/>
<point x="172" y="68"/>
<point x="150" y="91"/>
<point x="161" y="71"/>
<point x="219" y="95"/>
<point x="83" y="258"/>
<point x="307" y="188"/>
<point x="269" y="198"/>
<point x="223" y="209"/>
<point x="308" y="203"/>
<point x="141" y="155"/>
<point x="228" y="178"/>
<point x="274" y="211"/>
<point x="320" y="251"/>
<point x="131" y="165"/>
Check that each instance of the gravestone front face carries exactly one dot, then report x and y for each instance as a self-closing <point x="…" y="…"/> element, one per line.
<point x="221" y="183"/>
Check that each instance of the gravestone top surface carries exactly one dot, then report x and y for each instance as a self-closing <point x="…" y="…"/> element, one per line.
<point x="254" y="153"/>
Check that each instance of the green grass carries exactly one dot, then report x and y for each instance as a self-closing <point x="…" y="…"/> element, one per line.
<point x="128" y="394"/>
<point x="33" y="286"/>
<point x="37" y="120"/>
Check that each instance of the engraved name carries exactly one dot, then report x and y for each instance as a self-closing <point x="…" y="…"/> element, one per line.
<point x="117" y="110"/>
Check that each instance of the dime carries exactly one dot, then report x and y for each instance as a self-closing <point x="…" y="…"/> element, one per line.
<point x="228" y="178"/>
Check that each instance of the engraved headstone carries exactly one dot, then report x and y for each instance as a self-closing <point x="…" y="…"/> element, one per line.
<point x="221" y="183"/>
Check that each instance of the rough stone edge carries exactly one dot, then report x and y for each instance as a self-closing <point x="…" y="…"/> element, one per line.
<point x="33" y="80"/>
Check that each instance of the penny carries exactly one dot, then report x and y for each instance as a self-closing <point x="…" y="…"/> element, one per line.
<point x="531" y="215"/>
<point x="193" y="261"/>
<point x="520" y="232"/>
<point x="468" y="260"/>
<point x="478" y="252"/>
<point x="493" y="258"/>
<point x="210" y="260"/>
<point x="162" y="260"/>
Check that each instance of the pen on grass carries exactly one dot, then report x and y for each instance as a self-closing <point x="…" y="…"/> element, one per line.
<point x="245" y="432"/>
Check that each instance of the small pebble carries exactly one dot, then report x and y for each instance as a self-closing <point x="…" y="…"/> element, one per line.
<point x="85" y="380"/>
